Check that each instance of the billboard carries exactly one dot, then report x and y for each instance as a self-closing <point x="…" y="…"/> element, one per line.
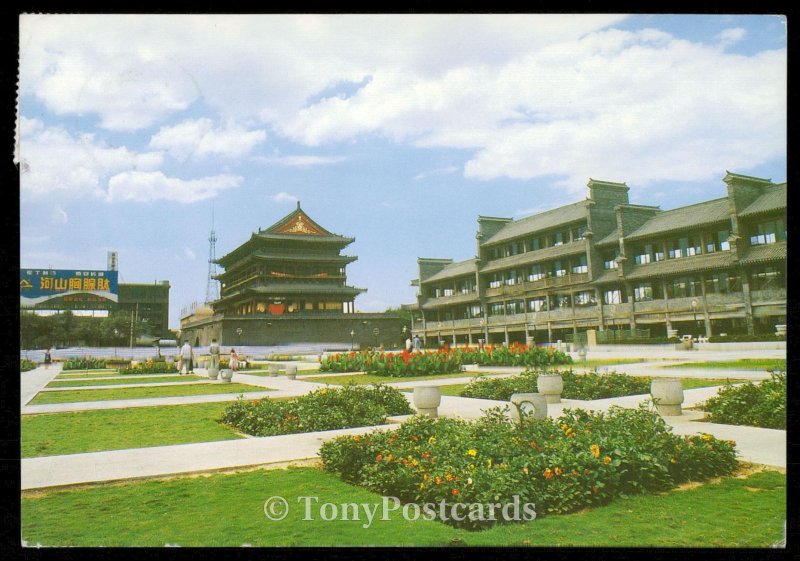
<point x="59" y="289"/>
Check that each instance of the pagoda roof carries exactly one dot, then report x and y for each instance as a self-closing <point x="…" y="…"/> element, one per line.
<point x="297" y="226"/>
<point x="280" y="289"/>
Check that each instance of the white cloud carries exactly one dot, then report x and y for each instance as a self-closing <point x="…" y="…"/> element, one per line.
<point x="199" y="138"/>
<point x="189" y="254"/>
<point x="731" y="35"/>
<point x="300" y="161"/>
<point x="137" y="186"/>
<point x="284" y="197"/>
<point x="55" y="162"/>
<point x="447" y="170"/>
<point x="60" y="215"/>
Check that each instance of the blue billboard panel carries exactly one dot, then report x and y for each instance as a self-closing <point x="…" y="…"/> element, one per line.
<point x="67" y="289"/>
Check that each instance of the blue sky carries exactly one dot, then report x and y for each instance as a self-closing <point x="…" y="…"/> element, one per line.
<point x="396" y="130"/>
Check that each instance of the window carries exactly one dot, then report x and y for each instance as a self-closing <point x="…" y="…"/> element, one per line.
<point x="560" y="238"/>
<point x="535" y="244"/>
<point x="474" y="311"/>
<point x="644" y="254"/>
<point x="643" y="293"/>
<point x="723" y="283"/>
<point x="579" y="265"/>
<point x="613" y="296"/>
<point x="515" y="248"/>
<point x="515" y="307"/>
<point x="535" y="273"/>
<point x="768" y="278"/>
<point x="560" y="301"/>
<point x="559" y="269"/>
<point x="682" y="287"/>
<point x="496" y="309"/>
<point x="579" y="233"/>
<point x="537" y="304"/>
<point x="585" y="298"/>
<point x="495" y="280"/>
<point x="768" y="232"/>
<point x="610" y="260"/>
<point x="717" y="241"/>
<point x="448" y="291"/>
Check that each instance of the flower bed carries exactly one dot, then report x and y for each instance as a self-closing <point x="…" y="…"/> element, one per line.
<point x="591" y="385"/>
<point x="444" y="361"/>
<point x="579" y="460"/>
<point x="149" y="367"/>
<point x="323" y="409"/>
<point x="757" y="405"/>
<point x="397" y="365"/>
<point x="85" y="363"/>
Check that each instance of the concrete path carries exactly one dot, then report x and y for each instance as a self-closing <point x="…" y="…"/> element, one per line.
<point x="126" y="386"/>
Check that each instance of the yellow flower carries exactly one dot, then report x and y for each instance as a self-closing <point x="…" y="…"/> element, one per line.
<point x="432" y="440"/>
<point x="607" y="460"/>
<point x="448" y="477"/>
<point x="564" y="426"/>
<point x="472" y="452"/>
<point x="525" y="470"/>
<point x="489" y="463"/>
<point x="706" y="437"/>
<point x="558" y="471"/>
<point x="595" y="450"/>
<point x="548" y="474"/>
<point x="673" y="461"/>
<point x="323" y="391"/>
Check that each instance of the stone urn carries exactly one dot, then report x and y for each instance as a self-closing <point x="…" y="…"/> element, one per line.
<point x="667" y="394"/>
<point x="427" y="400"/>
<point x="531" y="405"/>
<point x="291" y="371"/>
<point x="226" y="374"/>
<point x="274" y="368"/>
<point x="213" y="371"/>
<point x="550" y="386"/>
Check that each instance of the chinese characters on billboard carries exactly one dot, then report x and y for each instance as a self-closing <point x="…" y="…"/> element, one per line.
<point x="59" y="289"/>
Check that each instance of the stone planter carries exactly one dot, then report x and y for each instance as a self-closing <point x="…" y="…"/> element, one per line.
<point x="274" y="368"/>
<point x="532" y="405"/>
<point x="780" y="330"/>
<point x="667" y="394"/>
<point x="226" y="374"/>
<point x="291" y="371"/>
<point x="213" y="372"/>
<point x="427" y="400"/>
<point x="550" y="386"/>
<point x="672" y="333"/>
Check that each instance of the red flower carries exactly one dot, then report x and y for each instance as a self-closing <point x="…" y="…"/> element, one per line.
<point x="455" y="492"/>
<point x="379" y="457"/>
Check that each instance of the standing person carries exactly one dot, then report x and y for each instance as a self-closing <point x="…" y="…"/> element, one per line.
<point x="213" y="349"/>
<point x="48" y="357"/>
<point x="186" y="356"/>
<point x="416" y="342"/>
<point x="408" y="343"/>
<point x="234" y="361"/>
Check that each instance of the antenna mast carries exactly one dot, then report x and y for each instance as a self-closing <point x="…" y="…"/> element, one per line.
<point x="212" y="286"/>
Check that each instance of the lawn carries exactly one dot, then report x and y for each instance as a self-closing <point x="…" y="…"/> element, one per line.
<point x="116" y="429"/>
<point x="140" y="393"/>
<point x="89" y="373"/>
<point x="228" y="510"/>
<point x="743" y="364"/>
<point x="149" y="379"/>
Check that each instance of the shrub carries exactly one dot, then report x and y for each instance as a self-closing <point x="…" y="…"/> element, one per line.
<point x="26" y="364"/>
<point x="323" y="409"/>
<point x="591" y="385"/>
<point x="579" y="460"/>
<point x="643" y="341"/>
<point x="516" y="354"/>
<point x="757" y="405"/>
<point x="744" y="337"/>
<point x="149" y="367"/>
<point x="85" y="363"/>
<point x="396" y="365"/>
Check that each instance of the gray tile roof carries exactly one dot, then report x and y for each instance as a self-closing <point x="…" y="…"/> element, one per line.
<point x="560" y="216"/>
<point x="611" y="239"/>
<point x="453" y="270"/>
<point x="692" y="264"/>
<point x="684" y="218"/>
<point x="763" y="253"/>
<point x="774" y="198"/>
<point x="531" y="257"/>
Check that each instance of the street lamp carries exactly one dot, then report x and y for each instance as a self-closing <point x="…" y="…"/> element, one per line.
<point x="352" y="339"/>
<point x="116" y="334"/>
<point x="239" y="335"/>
<point x="694" y="311"/>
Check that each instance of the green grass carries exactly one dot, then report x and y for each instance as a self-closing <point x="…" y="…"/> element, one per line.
<point x="116" y="429"/>
<point x="88" y="373"/>
<point x="599" y="362"/>
<point x="743" y="364"/>
<point x="152" y="379"/>
<point x="265" y="372"/>
<point x="140" y="393"/>
<point x="228" y="510"/>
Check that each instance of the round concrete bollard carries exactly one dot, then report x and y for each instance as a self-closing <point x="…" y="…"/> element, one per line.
<point x="274" y="368"/>
<point x="291" y="371"/>
<point x="213" y="372"/>
<point x="667" y="394"/>
<point x="532" y="405"/>
<point x="226" y="374"/>
<point x="427" y="400"/>
<point x="550" y="386"/>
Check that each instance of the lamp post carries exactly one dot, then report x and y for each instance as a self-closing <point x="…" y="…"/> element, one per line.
<point x="239" y="335"/>
<point x="694" y="311"/>
<point x="352" y="339"/>
<point x="116" y="334"/>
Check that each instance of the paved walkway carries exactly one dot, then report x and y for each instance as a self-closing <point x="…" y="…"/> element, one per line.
<point x="763" y="446"/>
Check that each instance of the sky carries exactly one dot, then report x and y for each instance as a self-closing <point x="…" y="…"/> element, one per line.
<point x="397" y="130"/>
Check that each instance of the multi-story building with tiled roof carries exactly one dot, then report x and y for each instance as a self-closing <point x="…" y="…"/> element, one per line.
<point x="602" y="263"/>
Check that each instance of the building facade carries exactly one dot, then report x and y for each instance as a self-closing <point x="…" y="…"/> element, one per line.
<point x="149" y="304"/>
<point x="288" y="284"/>
<point x="717" y="267"/>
